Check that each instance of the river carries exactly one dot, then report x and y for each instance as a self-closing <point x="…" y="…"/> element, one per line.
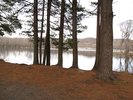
<point x="86" y="58"/>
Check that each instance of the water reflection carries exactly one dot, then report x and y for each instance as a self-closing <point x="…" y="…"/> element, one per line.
<point x="17" y="54"/>
<point x="86" y="58"/>
<point x="126" y="63"/>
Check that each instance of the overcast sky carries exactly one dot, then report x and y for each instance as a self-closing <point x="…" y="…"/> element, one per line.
<point x="123" y="9"/>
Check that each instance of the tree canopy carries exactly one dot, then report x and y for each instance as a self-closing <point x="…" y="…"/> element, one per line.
<point x="9" y="21"/>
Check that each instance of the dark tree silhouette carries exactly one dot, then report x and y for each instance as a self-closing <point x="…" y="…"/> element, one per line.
<point x="35" y="32"/>
<point x="42" y="31"/>
<point x="96" y="66"/>
<point x="74" y="25"/>
<point x="60" y="51"/>
<point x="47" y="43"/>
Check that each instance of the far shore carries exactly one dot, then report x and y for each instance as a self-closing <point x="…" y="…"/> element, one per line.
<point x="118" y="52"/>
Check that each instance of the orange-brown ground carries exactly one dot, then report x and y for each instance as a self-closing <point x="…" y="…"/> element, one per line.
<point x="67" y="84"/>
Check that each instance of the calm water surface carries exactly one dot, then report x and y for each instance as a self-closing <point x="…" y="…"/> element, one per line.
<point x="86" y="58"/>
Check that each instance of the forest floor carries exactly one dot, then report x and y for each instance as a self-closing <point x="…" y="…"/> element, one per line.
<point x="38" y="82"/>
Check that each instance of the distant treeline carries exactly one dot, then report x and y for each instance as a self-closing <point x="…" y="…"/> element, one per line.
<point x="24" y="42"/>
<point x="83" y="43"/>
<point x="91" y="43"/>
<point x="118" y="44"/>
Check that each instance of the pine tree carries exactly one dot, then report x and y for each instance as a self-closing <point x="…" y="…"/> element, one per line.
<point x="42" y="31"/>
<point x="96" y="66"/>
<point x="60" y="51"/>
<point x="74" y="24"/>
<point x="35" y="32"/>
<point x="47" y="43"/>
<point x="106" y="42"/>
<point x="9" y="21"/>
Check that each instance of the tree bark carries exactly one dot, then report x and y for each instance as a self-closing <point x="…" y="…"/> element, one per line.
<point x="105" y="65"/>
<point x="75" y="51"/>
<point x="47" y="43"/>
<point x="35" y="32"/>
<point x="60" y="51"/>
<point x="96" y="66"/>
<point x="41" y="32"/>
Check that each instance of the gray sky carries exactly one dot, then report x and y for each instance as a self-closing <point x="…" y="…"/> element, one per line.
<point x="123" y="9"/>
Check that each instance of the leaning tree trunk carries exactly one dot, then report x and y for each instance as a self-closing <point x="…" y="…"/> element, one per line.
<point x="60" y="51"/>
<point x="96" y="66"/>
<point x="75" y="51"/>
<point x="105" y="65"/>
<point x="35" y="32"/>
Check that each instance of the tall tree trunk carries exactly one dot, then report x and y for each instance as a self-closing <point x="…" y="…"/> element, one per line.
<point x="35" y="32"/>
<point x="47" y="43"/>
<point x="41" y="32"/>
<point x="60" y="51"/>
<point x="96" y="66"/>
<point x="75" y="51"/>
<point x="105" y="65"/>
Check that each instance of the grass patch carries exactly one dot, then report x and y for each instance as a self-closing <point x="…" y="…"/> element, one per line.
<point x="91" y="90"/>
<point x="125" y="83"/>
<point x="80" y="71"/>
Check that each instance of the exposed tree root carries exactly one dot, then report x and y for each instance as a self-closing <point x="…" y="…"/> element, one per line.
<point x="95" y="68"/>
<point x="106" y="77"/>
